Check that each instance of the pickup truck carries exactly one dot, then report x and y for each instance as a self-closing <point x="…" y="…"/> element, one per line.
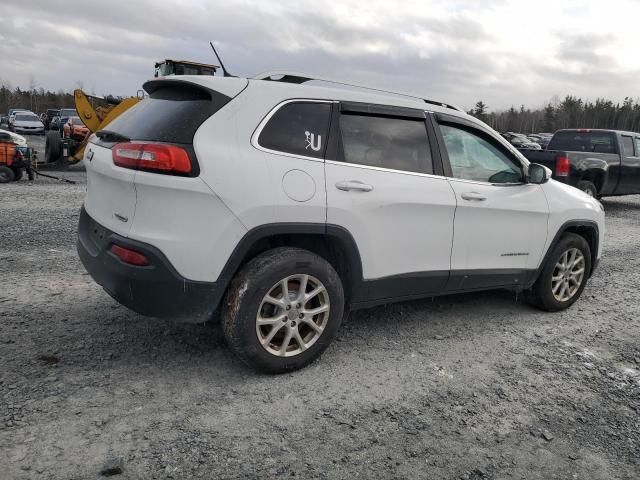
<point x="598" y="162"/>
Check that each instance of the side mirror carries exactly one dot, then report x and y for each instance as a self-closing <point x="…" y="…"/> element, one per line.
<point x="538" y="174"/>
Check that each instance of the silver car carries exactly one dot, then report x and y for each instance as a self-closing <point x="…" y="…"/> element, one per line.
<point x="27" y="122"/>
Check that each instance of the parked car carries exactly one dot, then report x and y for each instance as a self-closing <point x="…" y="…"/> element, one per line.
<point x="599" y="162"/>
<point x="13" y="111"/>
<point x="27" y="122"/>
<point x="542" y="139"/>
<point x="58" y="122"/>
<point x="15" y="138"/>
<point x="286" y="204"/>
<point x="49" y="115"/>
<point x="74" y="128"/>
<point x="11" y="114"/>
<point x="521" y="141"/>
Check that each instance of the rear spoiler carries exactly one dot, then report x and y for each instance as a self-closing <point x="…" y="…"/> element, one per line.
<point x="227" y="87"/>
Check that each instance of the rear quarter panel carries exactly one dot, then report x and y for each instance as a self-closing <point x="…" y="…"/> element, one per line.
<point x="249" y="180"/>
<point x="188" y="222"/>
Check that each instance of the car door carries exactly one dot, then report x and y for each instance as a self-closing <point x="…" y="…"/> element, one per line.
<point x="630" y="165"/>
<point x="500" y="220"/>
<point x="385" y="187"/>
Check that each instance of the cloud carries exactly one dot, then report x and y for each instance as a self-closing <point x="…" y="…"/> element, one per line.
<point x="506" y="52"/>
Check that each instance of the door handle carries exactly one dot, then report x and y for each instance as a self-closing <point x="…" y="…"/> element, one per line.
<point x="473" y="196"/>
<point x="347" y="185"/>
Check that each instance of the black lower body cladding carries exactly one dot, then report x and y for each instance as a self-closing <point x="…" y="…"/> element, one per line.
<point x="156" y="290"/>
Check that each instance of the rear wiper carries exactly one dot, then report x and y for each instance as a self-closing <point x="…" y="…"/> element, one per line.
<point x="108" y="135"/>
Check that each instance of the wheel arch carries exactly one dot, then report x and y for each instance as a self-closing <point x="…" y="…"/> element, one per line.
<point x="333" y="243"/>
<point x="587" y="229"/>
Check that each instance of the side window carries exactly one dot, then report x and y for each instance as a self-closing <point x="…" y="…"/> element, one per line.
<point x="627" y="146"/>
<point x="474" y="158"/>
<point x="387" y="142"/>
<point x="299" y="128"/>
<point x="637" y="146"/>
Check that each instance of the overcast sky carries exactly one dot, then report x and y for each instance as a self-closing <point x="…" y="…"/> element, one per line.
<point x="505" y="52"/>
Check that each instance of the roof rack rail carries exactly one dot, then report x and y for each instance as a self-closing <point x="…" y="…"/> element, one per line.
<point x="297" y="77"/>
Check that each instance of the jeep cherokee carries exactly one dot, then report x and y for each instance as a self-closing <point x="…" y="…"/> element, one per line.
<point x="283" y="203"/>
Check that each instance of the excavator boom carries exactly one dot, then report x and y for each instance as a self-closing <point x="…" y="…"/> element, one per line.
<point x="99" y="117"/>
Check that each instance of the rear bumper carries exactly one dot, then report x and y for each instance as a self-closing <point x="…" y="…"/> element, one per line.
<point x="155" y="290"/>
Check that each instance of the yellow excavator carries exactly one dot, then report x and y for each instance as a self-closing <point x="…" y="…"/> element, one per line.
<point x="66" y="147"/>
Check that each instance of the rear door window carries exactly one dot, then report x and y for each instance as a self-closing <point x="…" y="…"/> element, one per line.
<point x="298" y="128"/>
<point x="627" y="146"/>
<point x="386" y="142"/>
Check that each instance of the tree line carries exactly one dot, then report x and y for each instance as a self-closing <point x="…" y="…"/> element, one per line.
<point x="572" y="112"/>
<point x="37" y="100"/>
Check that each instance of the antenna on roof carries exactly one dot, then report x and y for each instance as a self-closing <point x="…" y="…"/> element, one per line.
<point x="224" y="70"/>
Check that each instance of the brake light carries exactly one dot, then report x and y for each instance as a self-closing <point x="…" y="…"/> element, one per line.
<point x="562" y="166"/>
<point x="584" y="130"/>
<point x="129" y="256"/>
<point x="156" y="157"/>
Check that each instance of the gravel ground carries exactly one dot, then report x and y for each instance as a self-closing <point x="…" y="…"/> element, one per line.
<point x="467" y="386"/>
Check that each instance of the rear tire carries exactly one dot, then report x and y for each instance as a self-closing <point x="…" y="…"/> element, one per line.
<point x="588" y="187"/>
<point x="6" y="174"/>
<point x="276" y="331"/>
<point x="558" y="287"/>
<point x="52" y="147"/>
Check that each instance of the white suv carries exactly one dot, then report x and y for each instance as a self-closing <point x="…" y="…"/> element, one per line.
<point x="286" y="202"/>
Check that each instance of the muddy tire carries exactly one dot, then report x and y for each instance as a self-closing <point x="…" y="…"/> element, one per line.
<point x="6" y="174"/>
<point x="564" y="275"/>
<point x="282" y="310"/>
<point x="52" y="147"/>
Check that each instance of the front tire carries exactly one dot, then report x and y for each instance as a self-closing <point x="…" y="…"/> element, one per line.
<point x="282" y="310"/>
<point x="564" y="275"/>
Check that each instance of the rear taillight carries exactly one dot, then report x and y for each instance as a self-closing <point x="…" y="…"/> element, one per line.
<point x="152" y="157"/>
<point x="126" y="255"/>
<point x="562" y="166"/>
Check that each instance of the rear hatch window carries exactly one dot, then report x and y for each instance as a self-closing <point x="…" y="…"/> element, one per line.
<point x="584" y="141"/>
<point x="171" y="113"/>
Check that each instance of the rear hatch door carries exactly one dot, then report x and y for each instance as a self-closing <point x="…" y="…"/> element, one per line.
<point x="111" y="192"/>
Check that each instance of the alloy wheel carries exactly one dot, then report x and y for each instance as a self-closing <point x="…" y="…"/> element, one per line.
<point x="292" y="315"/>
<point x="568" y="275"/>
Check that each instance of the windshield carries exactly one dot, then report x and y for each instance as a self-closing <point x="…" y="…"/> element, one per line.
<point x="76" y="121"/>
<point x="583" y="141"/>
<point x="68" y="112"/>
<point x="26" y="118"/>
<point x="164" y="69"/>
